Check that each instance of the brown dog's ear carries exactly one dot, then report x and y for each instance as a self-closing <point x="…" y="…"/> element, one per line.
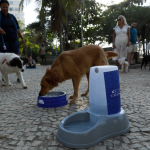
<point x="48" y="80"/>
<point x="47" y="69"/>
<point x="111" y="54"/>
<point x="14" y="62"/>
<point x="51" y="78"/>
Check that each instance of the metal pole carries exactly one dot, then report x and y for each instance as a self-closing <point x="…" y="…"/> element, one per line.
<point x="81" y="30"/>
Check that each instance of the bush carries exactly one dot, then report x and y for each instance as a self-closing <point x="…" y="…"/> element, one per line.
<point x="51" y="51"/>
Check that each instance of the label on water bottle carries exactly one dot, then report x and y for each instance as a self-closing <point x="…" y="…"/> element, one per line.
<point x="4" y="47"/>
<point x="112" y="86"/>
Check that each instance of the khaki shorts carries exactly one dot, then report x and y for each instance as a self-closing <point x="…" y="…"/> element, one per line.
<point x="132" y="48"/>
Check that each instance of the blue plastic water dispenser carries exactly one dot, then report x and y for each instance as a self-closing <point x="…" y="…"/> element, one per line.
<point x="103" y="119"/>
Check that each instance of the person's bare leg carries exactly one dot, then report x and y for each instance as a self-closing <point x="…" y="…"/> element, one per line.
<point x="117" y="64"/>
<point x="45" y="61"/>
<point x="131" y="59"/>
<point x="42" y="62"/>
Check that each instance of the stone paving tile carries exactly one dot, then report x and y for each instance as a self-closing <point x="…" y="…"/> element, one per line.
<point x="24" y="126"/>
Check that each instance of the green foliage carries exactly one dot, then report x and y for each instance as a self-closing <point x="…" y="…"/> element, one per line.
<point x="132" y="12"/>
<point x="63" y="17"/>
<point x="51" y="50"/>
<point x="21" y="25"/>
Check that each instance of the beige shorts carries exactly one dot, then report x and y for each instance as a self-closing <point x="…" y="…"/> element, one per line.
<point x="132" y="48"/>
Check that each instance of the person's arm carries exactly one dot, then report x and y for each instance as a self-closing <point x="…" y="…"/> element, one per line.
<point x="114" y="36"/>
<point x="40" y="51"/>
<point x="18" y="30"/>
<point x="2" y="31"/>
<point x="128" y="34"/>
<point x="33" y="61"/>
<point x="20" y="35"/>
<point x="138" y="40"/>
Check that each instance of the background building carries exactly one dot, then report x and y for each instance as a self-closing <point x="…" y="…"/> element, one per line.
<point x="14" y="9"/>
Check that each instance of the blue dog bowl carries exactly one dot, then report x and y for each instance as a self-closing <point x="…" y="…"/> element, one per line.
<point x="52" y="99"/>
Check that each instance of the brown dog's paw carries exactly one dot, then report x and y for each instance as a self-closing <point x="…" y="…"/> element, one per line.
<point x="71" y="97"/>
<point x="72" y="101"/>
<point x="84" y="94"/>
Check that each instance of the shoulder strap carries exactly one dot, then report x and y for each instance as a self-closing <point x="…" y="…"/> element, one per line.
<point x="13" y="22"/>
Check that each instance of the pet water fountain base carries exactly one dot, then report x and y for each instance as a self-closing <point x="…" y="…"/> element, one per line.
<point x="85" y="129"/>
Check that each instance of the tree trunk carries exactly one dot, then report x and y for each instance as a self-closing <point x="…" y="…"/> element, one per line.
<point x="44" y="35"/>
<point x="61" y="41"/>
<point x="143" y="48"/>
<point x="73" y="37"/>
<point x="81" y="30"/>
<point x="67" y="46"/>
<point x="66" y="39"/>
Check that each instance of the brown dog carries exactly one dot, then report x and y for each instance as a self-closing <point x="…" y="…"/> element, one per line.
<point x="74" y="65"/>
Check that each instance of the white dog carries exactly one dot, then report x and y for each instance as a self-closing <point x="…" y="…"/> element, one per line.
<point x="124" y="65"/>
<point x="12" y="63"/>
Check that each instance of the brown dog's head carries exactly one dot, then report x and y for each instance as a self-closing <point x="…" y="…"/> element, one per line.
<point x="48" y="82"/>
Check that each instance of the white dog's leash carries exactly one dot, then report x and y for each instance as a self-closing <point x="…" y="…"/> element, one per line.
<point x="124" y="55"/>
<point x="126" y="51"/>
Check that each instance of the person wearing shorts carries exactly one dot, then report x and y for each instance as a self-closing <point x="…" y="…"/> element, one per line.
<point x="133" y="45"/>
<point x="42" y="52"/>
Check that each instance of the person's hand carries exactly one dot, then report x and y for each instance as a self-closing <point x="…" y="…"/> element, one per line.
<point x="128" y="44"/>
<point x="24" y="43"/>
<point x="114" y="46"/>
<point x="2" y="31"/>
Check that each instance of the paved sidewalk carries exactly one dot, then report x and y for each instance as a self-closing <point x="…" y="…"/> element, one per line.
<point x="24" y="126"/>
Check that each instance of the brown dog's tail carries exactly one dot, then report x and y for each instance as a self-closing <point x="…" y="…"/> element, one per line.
<point x="111" y="54"/>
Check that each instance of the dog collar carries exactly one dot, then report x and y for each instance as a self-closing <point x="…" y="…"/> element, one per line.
<point x="6" y="62"/>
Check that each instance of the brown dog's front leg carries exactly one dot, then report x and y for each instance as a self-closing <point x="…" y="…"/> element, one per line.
<point x="76" y="83"/>
<point x="87" y="91"/>
<point x="71" y="96"/>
